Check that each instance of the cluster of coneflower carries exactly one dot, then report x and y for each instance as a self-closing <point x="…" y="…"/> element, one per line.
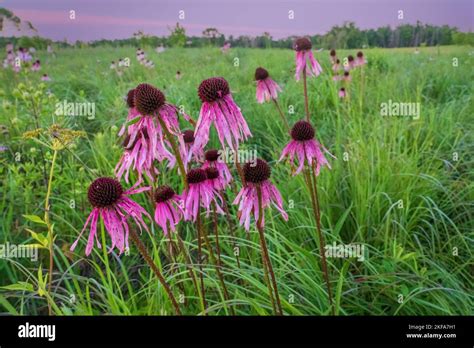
<point x="342" y="72"/>
<point x="152" y="135"/>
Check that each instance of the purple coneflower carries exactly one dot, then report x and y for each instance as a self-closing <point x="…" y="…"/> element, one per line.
<point x="360" y="60"/>
<point x="212" y="161"/>
<point x="267" y="89"/>
<point x="336" y="66"/>
<point x="219" y="107"/>
<point x="36" y="65"/>
<point x="45" y="77"/>
<point x="304" y="54"/>
<point x="332" y="56"/>
<point x="257" y="174"/>
<point x="347" y="76"/>
<point x="342" y="92"/>
<point x="305" y="148"/>
<point x="168" y="211"/>
<point x="111" y="203"/>
<point x="198" y="194"/>
<point x="350" y="63"/>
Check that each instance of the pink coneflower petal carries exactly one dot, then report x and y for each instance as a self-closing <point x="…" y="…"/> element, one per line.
<point x="257" y="175"/>
<point x="219" y="107"/>
<point x="305" y="148"/>
<point x="112" y="204"/>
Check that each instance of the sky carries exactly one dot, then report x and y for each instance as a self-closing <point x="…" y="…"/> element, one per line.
<point x="112" y="19"/>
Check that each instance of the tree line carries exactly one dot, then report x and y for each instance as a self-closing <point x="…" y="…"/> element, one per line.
<point x="346" y="36"/>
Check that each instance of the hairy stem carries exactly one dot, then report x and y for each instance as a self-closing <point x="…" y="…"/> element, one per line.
<point x="50" y="229"/>
<point x="305" y="91"/>
<point x="201" y="276"/>
<point x="142" y="249"/>
<point x="174" y="146"/>
<point x="265" y="250"/>
<point x="310" y="175"/>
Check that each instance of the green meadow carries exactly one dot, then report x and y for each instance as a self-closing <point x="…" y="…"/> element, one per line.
<point x="401" y="187"/>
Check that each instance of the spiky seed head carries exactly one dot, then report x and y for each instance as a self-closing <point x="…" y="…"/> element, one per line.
<point x="148" y="99"/>
<point x="163" y="193"/>
<point x="302" y="131"/>
<point x="213" y="89"/>
<point x="104" y="192"/>
<point x="212" y="155"/>
<point x="261" y="74"/>
<point x="195" y="176"/>
<point x="188" y="136"/>
<point x="257" y="172"/>
<point x="302" y="44"/>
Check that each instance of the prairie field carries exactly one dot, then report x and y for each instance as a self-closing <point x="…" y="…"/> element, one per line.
<point x="399" y="187"/>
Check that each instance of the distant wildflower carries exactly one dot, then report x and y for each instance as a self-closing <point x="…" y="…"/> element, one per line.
<point x="350" y="63"/>
<point x="168" y="211"/>
<point x="360" y="60"/>
<point x="267" y="89"/>
<point x="45" y="77"/>
<point x="342" y="92"/>
<point x="305" y="148"/>
<point x="336" y="66"/>
<point x="332" y="55"/>
<point x="347" y="76"/>
<point x="218" y="107"/>
<point x="257" y="175"/>
<point x="111" y="203"/>
<point x="304" y="55"/>
<point x="225" y="48"/>
<point x="178" y="75"/>
<point x="36" y="65"/>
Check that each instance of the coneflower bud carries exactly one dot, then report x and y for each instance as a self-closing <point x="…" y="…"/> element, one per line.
<point x="213" y="89"/>
<point x="163" y="193"/>
<point x="212" y="173"/>
<point x="333" y="53"/>
<point x="131" y="98"/>
<point x="302" y="131"/>
<point x="104" y="192"/>
<point x="350" y="58"/>
<point x="188" y="136"/>
<point x="302" y="44"/>
<point x="338" y="61"/>
<point x="257" y="172"/>
<point x="261" y="74"/>
<point x="148" y="99"/>
<point x="346" y="73"/>
<point x="195" y="176"/>
<point x="360" y="54"/>
<point x="212" y="155"/>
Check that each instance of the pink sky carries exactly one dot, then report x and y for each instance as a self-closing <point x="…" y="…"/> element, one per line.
<point x="121" y="18"/>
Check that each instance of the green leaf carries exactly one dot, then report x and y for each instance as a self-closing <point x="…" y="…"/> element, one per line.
<point x="133" y="120"/>
<point x="35" y="218"/>
<point x="22" y="286"/>
<point x="39" y="237"/>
